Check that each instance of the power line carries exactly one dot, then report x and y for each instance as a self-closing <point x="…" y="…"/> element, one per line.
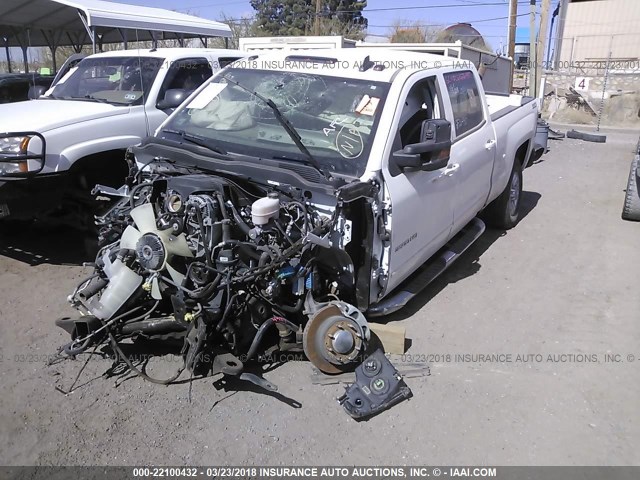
<point x="439" y="24"/>
<point x="467" y="4"/>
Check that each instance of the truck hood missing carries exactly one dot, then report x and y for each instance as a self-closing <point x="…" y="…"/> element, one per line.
<point x="48" y="114"/>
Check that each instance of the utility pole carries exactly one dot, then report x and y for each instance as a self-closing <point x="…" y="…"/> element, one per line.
<point x="513" y="17"/>
<point x="532" y="49"/>
<point x="317" y="22"/>
<point x="542" y="37"/>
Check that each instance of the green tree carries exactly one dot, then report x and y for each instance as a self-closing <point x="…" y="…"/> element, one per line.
<point x="298" y="17"/>
<point x="403" y="31"/>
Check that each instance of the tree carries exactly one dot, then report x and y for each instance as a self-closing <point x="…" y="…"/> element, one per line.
<point x="412" y="32"/>
<point x="240" y="27"/>
<point x="298" y="17"/>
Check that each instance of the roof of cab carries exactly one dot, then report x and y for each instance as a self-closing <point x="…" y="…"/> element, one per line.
<point x="172" y="52"/>
<point x="348" y="62"/>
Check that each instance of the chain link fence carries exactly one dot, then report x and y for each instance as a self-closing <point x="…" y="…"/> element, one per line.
<point x="592" y="80"/>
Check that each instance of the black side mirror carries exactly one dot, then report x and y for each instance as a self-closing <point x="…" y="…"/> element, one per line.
<point x="432" y="152"/>
<point x="173" y="98"/>
<point x="36" y="91"/>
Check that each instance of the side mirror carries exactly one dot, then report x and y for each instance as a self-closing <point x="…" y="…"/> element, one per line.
<point x="432" y="152"/>
<point x="21" y="154"/>
<point x="173" y="98"/>
<point x="36" y="91"/>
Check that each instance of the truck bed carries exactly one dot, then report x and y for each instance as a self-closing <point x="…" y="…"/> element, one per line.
<point x="501" y="105"/>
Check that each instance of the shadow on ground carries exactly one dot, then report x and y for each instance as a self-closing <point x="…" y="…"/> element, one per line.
<point x="467" y="265"/>
<point x="37" y="244"/>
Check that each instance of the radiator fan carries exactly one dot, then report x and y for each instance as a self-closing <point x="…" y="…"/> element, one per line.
<point x="154" y="248"/>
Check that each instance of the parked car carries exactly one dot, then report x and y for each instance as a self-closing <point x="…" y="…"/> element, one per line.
<point x="54" y="149"/>
<point x="631" y="208"/>
<point x="18" y="87"/>
<point x="309" y="191"/>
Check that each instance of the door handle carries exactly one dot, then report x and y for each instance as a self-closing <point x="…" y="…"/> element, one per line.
<point x="451" y="169"/>
<point x="489" y="145"/>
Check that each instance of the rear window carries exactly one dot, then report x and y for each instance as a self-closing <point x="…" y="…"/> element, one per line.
<point x="224" y="61"/>
<point x="465" y="100"/>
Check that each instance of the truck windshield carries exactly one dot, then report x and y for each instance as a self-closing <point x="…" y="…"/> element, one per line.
<point x="116" y="80"/>
<point x="335" y="117"/>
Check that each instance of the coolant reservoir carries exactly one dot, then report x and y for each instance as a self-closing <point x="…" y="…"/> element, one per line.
<point x="264" y="210"/>
<point x="122" y="283"/>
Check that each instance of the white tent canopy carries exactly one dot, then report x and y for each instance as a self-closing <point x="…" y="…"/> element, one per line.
<point x="53" y="23"/>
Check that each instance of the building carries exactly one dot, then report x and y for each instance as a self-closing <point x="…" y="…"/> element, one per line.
<point x="594" y="30"/>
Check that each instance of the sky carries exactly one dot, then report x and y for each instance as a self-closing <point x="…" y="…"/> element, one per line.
<point x="487" y="16"/>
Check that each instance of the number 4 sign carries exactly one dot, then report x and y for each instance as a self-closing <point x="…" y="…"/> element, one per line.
<point x="582" y="83"/>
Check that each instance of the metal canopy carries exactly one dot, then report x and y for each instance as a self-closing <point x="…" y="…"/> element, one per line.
<point x="53" y="23"/>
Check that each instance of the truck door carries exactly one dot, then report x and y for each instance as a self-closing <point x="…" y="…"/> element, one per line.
<point x="473" y="148"/>
<point x="421" y="202"/>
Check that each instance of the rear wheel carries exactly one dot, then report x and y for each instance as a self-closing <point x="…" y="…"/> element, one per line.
<point x="504" y="211"/>
<point x="631" y="209"/>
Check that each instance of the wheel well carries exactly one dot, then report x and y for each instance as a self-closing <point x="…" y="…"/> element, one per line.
<point x="521" y="154"/>
<point x="107" y="168"/>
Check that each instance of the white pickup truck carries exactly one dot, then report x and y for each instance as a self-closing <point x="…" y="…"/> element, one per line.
<point x="55" y="148"/>
<point x="306" y="191"/>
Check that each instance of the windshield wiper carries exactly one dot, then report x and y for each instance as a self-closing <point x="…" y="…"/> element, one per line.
<point x="197" y="140"/>
<point x="286" y="124"/>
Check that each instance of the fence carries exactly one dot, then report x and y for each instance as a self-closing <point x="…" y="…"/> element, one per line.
<point x="591" y="79"/>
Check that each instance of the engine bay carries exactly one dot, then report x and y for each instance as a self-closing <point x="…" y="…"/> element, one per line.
<point x="229" y="269"/>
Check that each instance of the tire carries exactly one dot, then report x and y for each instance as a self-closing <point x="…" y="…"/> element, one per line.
<point x="587" y="137"/>
<point x="504" y="211"/>
<point x="631" y="208"/>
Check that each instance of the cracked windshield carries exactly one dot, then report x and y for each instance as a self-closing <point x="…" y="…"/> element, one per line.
<point x="335" y="117"/>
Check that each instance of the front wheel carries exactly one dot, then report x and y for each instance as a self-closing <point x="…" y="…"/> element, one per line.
<point x="504" y="211"/>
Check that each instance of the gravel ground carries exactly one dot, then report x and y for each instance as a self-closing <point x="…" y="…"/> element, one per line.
<point x="563" y="285"/>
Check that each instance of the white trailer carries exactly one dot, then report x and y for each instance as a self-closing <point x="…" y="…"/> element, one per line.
<point x="265" y="44"/>
<point x="496" y="72"/>
<point x="497" y="69"/>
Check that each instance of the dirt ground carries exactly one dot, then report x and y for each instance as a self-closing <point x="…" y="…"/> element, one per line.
<point x="560" y="290"/>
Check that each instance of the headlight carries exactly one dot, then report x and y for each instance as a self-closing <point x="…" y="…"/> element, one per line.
<point x="14" y="145"/>
<point x="21" y="153"/>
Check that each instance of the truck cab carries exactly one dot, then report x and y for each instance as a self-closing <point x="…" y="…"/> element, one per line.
<point x="54" y="149"/>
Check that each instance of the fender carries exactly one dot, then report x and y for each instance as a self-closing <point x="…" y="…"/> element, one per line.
<point x="69" y="156"/>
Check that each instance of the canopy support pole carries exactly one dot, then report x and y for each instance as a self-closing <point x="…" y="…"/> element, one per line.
<point x="123" y="35"/>
<point x="90" y="30"/>
<point x="6" y="49"/>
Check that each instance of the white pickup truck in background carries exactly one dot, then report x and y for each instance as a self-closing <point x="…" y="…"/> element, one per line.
<point x="54" y="149"/>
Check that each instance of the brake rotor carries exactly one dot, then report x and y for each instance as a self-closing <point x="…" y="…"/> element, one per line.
<point x="331" y="340"/>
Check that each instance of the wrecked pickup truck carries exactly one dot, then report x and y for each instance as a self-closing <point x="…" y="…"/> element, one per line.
<point x="291" y="198"/>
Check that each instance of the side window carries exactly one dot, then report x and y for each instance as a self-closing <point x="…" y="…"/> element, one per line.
<point x="420" y="104"/>
<point x="465" y="100"/>
<point x="187" y="74"/>
<point x="224" y="61"/>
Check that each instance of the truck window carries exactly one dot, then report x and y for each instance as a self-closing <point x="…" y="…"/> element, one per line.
<point x="224" y="61"/>
<point x="421" y="104"/>
<point x="465" y="100"/>
<point x="187" y="74"/>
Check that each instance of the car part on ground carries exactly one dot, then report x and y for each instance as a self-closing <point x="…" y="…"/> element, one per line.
<point x="631" y="208"/>
<point x="378" y="386"/>
<point x="587" y="137"/>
